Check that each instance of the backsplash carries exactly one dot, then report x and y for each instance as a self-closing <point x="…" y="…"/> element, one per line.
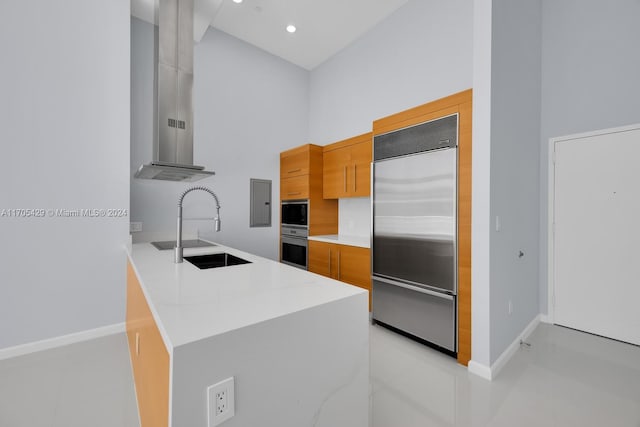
<point x="354" y="216"/>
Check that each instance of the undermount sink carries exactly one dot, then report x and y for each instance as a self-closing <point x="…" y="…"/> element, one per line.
<point x="170" y="244"/>
<point x="215" y="260"/>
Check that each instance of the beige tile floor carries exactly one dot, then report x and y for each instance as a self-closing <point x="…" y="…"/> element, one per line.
<point x="566" y="378"/>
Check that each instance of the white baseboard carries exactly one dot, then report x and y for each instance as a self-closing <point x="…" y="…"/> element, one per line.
<point x="545" y="318"/>
<point x="32" y="347"/>
<point x="483" y="371"/>
<point x="506" y="355"/>
<point x="489" y="373"/>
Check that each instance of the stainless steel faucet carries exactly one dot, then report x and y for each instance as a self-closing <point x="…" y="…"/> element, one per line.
<point x="216" y="220"/>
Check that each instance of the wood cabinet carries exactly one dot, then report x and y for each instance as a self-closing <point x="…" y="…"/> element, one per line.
<point x="361" y="157"/>
<point x="354" y="265"/>
<point x="320" y="258"/>
<point x="298" y="167"/>
<point x="347" y="168"/>
<point x="295" y="162"/>
<point x="349" y="264"/>
<point x="301" y="178"/>
<point x="294" y="188"/>
<point x="149" y="357"/>
<point x="335" y="173"/>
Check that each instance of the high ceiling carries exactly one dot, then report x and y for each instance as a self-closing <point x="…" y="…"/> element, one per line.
<point x="324" y="27"/>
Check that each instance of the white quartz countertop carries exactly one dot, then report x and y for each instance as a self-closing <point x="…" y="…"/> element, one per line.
<point x="190" y="304"/>
<point x="360" y="241"/>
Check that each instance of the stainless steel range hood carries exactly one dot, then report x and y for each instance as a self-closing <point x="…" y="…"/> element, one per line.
<point x="173" y="147"/>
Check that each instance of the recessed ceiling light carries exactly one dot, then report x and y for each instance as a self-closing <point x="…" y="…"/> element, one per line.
<point x="291" y="28"/>
<point x="237" y="1"/>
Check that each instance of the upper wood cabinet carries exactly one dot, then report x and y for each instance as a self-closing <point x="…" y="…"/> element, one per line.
<point x="295" y="162"/>
<point x="298" y="169"/>
<point x="334" y="177"/>
<point x="347" y="168"/>
<point x="361" y="156"/>
<point x="296" y="187"/>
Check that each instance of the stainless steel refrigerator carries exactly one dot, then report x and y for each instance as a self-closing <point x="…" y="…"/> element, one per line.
<point x="414" y="231"/>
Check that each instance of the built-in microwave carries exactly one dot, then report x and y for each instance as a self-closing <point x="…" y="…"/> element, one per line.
<point x="295" y="213"/>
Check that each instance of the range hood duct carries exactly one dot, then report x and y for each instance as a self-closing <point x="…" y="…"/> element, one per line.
<point x="173" y="147"/>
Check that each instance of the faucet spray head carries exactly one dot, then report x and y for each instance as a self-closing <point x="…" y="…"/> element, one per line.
<point x="178" y="249"/>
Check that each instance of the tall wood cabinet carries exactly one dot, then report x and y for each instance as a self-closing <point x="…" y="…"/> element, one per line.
<point x="347" y="168"/>
<point x="301" y="179"/>
<point x="349" y="264"/>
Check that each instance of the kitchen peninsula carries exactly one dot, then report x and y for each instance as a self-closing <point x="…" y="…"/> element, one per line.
<point x="296" y="343"/>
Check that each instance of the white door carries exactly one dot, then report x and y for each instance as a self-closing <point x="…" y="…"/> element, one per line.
<point x="596" y="253"/>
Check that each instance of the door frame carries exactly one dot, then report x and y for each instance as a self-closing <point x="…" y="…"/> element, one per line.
<point x="551" y="166"/>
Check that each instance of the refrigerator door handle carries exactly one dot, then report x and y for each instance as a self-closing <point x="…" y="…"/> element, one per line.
<point x="414" y="288"/>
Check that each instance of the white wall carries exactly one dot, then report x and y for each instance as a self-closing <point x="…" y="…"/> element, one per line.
<point x="248" y="107"/>
<point x="590" y="70"/>
<point x="506" y="128"/>
<point x="515" y="132"/>
<point x="420" y="53"/>
<point x="481" y="185"/>
<point x="64" y="114"/>
<point x="354" y="216"/>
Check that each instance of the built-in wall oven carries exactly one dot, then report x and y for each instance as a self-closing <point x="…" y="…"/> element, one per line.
<point x="293" y="247"/>
<point x="294" y="229"/>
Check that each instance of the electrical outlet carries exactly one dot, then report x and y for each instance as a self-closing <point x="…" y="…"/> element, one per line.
<point x="221" y="401"/>
<point x="134" y="227"/>
<point x="510" y="308"/>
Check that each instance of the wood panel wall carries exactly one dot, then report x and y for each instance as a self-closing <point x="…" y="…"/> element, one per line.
<point x="457" y="103"/>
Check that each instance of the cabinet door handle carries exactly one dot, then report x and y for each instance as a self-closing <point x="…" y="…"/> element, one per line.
<point x="344" y="175"/>
<point x="339" y="253"/>
<point x="354" y="177"/>
<point x="329" y="262"/>
<point x="137" y="343"/>
<point x="294" y="170"/>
